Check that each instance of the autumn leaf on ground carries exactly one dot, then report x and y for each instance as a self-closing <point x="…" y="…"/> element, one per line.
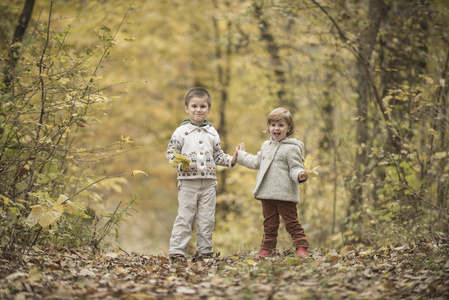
<point x="308" y="164"/>
<point x="399" y="271"/>
<point x="180" y="159"/>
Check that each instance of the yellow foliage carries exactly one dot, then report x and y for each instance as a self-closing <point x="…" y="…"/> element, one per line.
<point x="135" y="172"/>
<point x="308" y="164"/>
<point x="180" y="159"/>
<point x="44" y="215"/>
<point x="36" y="212"/>
<point x="49" y="213"/>
<point x="4" y="199"/>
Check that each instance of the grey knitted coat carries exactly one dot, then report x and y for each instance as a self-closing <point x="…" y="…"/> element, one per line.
<point x="279" y="164"/>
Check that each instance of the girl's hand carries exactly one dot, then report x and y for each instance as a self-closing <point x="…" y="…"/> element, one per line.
<point x="302" y="176"/>
<point x="239" y="147"/>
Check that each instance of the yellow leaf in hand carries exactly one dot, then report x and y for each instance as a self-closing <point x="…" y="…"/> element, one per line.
<point x="180" y="159"/>
<point x="307" y="165"/>
<point x="308" y="162"/>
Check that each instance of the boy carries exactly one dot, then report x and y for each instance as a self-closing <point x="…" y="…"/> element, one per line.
<point x="198" y="141"/>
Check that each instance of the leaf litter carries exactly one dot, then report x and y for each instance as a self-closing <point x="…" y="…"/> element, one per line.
<point x="413" y="271"/>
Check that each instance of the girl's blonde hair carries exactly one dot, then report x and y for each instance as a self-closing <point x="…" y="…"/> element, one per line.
<point x="281" y="114"/>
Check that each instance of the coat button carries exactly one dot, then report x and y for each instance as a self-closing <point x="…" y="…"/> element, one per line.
<point x="201" y="153"/>
<point x="202" y="164"/>
<point x="201" y="142"/>
<point x="202" y="174"/>
<point x="199" y="130"/>
<point x="186" y="133"/>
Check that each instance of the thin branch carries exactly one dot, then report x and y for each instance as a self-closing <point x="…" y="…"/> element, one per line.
<point x="340" y="32"/>
<point x="93" y="183"/>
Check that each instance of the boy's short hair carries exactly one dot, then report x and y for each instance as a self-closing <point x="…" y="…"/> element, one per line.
<point x="197" y="92"/>
<point x="281" y="114"/>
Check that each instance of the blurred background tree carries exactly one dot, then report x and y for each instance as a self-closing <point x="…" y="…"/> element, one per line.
<point x="365" y="81"/>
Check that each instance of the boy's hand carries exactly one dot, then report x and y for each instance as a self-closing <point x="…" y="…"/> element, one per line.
<point x="234" y="157"/>
<point x="180" y="159"/>
<point x="302" y="176"/>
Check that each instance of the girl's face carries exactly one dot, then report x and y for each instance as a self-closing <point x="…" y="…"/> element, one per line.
<point x="278" y="130"/>
<point x="198" y="109"/>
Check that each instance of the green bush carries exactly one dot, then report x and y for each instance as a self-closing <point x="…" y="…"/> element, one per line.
<point x="50" y="92"/>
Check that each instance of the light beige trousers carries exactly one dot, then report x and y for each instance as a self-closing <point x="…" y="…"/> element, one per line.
<point x="196" y="200"/>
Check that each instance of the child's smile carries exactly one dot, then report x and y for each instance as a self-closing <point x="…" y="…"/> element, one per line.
<point x="278" y="130"/>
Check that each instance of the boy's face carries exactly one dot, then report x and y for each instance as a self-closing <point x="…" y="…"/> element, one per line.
<point x="278" y="130"/>
<point x="198" y="109"/>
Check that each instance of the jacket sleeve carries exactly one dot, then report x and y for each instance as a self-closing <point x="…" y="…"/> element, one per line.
<point x="174" y="146"/>
<point x="295" y="163"/>
<point x="221" y="158"/>
<point x="250" y="161"/>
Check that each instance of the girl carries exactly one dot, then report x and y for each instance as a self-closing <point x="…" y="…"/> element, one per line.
<point x="280" y="165"/>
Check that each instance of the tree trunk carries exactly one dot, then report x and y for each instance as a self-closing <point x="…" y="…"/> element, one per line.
<point x="13" y="55"/>
<point x="377" y="11"/>
<point x="224" y="79"/>
<point x="273" y="50"/>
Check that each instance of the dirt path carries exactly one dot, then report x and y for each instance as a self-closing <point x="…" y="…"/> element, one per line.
<point x="402" y="272"/>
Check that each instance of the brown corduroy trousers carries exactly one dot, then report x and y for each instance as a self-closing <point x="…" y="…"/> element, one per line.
<point x="272" y="209"/>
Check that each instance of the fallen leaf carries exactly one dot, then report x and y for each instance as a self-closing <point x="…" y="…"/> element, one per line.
<point x="251" y="262"/>
<point x="120" y="270"/>
<point x="85" y="272"/>
<point x="35" y="275"/>
<point x="185" y="290"/>
<point x="16" y="275"/>
<point x="142" y="296"/>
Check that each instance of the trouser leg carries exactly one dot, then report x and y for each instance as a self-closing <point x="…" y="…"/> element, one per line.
<point x="182" y="228"/>
<point x="270" y="225"/>
<point x="205" y="217"/>
<point x="289" y="214"/>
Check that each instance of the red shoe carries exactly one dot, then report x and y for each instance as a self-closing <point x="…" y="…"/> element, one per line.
<point x="265" y="253"/>
<point x="301" y="252"/>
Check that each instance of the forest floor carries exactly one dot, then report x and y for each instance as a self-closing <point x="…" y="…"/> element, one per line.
<point x="412" y="271"/>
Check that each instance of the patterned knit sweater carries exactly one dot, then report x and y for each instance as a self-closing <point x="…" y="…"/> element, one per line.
<point x="200" y="144"/>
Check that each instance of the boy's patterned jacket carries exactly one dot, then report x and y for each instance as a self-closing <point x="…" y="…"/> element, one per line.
<point x="200" y="144"/>
<point x="279" y="164"/>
